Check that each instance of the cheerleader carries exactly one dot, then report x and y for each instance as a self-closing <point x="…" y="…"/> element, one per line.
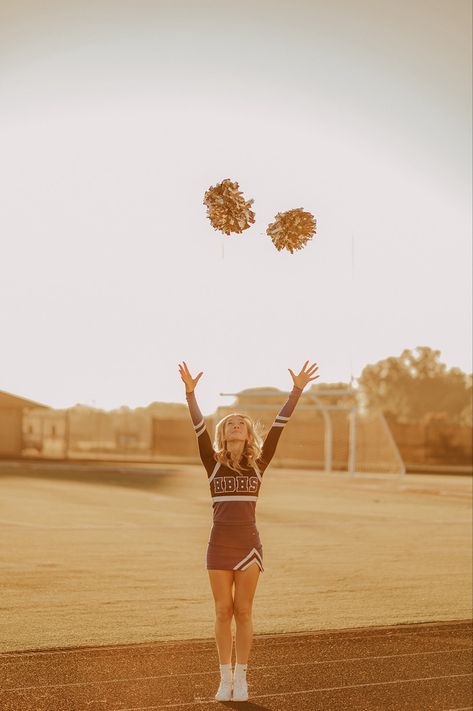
<point x="235" y="466"/>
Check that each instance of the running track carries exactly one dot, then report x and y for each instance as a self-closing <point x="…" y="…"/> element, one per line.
<point x="418" y="667"/>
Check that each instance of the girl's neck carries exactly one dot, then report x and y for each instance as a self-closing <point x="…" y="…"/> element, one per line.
<point x="236" y="450"/>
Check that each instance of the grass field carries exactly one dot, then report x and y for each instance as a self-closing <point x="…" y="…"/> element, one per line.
<point x="93" y="555"/>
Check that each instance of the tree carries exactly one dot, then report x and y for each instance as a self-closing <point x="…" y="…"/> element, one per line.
<point x="410" y="387"/>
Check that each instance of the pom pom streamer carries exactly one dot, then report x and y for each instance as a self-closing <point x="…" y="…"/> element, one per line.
<point x="292" y="229"/>
<point x="227" y="209"/>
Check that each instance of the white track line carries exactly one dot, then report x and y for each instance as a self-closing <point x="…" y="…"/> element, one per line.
<point x="293" y="693"/>
<point x="254" y="668"/>
<point x="283" y="636"/>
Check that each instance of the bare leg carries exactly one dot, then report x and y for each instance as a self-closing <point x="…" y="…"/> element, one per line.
<point x="245" y="587"/>
<point x="221" y="582"/>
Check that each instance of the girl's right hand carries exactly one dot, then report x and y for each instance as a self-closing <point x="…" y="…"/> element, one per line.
<point x="187" y="378"/>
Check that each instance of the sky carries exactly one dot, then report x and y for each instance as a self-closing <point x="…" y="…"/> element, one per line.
<point x="117" y="117"/>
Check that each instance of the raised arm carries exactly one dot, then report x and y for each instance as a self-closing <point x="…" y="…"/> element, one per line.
<point x="281" y="419"/>
<point x="206" y="450"/>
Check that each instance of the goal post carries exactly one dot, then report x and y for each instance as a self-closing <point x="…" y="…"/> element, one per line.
<point x="360" y="443"/>
<point x="373" y="448"/>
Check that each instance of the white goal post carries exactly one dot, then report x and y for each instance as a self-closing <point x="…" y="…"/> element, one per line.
<point x="372" y="450"/>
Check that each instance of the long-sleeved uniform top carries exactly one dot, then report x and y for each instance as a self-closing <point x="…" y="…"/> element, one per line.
<point x="234" y="495"/>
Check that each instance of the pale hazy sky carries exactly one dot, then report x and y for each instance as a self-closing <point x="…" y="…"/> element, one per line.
<point x="115" y="119"/>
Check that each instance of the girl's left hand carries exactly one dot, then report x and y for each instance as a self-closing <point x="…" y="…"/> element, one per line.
<point x="303" y="377"/>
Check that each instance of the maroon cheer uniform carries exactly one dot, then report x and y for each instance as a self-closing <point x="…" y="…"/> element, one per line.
<point x="234" y="542"/>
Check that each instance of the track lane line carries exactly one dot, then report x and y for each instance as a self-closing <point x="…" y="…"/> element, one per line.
<point x="254" y="668"/>
<point x="294" y="693"/>
<point x="211" y="644"/>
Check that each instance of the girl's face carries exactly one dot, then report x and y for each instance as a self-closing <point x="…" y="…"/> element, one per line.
<point x="236" y="429"/>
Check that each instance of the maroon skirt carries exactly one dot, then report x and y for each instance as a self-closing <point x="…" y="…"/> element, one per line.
<point x="234" y="547"/>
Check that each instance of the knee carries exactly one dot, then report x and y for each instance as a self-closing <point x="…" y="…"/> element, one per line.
<point x="242" y="613"/>
<point x="224" y="613"/>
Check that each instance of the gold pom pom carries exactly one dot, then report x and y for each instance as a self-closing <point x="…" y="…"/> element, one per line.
<point x="292" y="229"/>
<point x="227" y="209"/>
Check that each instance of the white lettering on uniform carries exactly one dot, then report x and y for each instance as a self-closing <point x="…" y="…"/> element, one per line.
<point x="218" y="485"/>
<point x="229" y="484"/>
<point x="253" y="483"/>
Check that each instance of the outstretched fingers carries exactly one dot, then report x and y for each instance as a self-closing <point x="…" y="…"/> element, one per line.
<point x="187" y="377"/>
<point x="311" y="368"/>
<point x="184" y="371"/>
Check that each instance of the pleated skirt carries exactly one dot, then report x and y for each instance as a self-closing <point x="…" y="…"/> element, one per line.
<point x="234" y="547"/>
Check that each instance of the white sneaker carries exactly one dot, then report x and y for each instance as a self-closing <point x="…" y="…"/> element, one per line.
<point x="224" y="692"/>
<point x="240" y="690"/>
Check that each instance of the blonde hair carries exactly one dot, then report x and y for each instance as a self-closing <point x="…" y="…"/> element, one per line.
<point x="252" y="447"/>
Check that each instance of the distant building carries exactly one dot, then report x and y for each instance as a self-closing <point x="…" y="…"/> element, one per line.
<point x="12" y="409"/>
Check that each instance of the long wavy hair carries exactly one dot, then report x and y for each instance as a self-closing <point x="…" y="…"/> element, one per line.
<point x="251" y="449"/>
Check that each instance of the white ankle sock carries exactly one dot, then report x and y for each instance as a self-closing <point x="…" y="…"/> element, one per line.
<point x="240" y="671"/>
<point x="226" y="672"/>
